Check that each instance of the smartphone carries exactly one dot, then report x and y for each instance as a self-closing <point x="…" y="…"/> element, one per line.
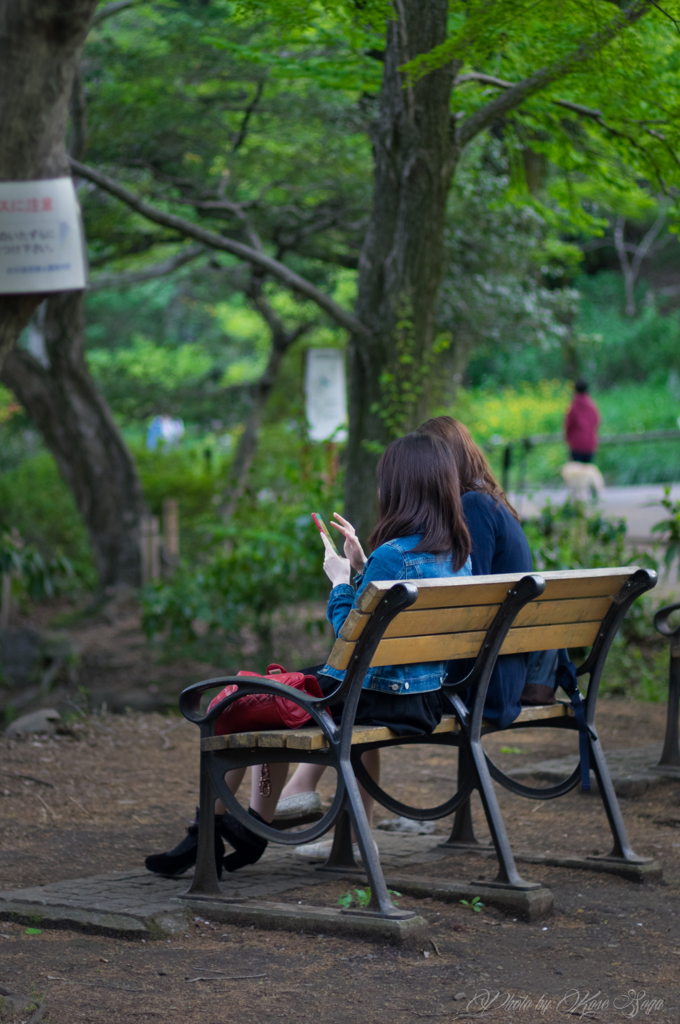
<point x="322" y="528"/>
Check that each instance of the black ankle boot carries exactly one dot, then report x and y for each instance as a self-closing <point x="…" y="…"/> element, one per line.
<point x="248" y="847"/>
<point x="183" y="857"/>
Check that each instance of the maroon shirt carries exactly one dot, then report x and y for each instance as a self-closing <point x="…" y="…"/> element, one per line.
<point x="581" y="423"/>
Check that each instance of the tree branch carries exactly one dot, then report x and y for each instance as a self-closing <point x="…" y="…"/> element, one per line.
<point x="248" y="442"/>
<point x="518" y="93"/>
<point x="110" y="9"/>
<point x="243" y="130"/>
<point x="161" y="269"/>
<point x="214" y="241"/>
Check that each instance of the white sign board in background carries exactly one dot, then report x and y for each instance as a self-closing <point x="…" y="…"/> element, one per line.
<point x="41" y="238"/>
<point x="326" y="394"/>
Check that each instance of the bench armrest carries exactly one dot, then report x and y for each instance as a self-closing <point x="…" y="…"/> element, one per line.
<point x="190" y="699"/>
<point x="661" y="620"/>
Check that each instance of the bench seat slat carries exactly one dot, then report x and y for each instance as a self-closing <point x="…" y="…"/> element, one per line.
<point x="462" y="591"/>
<point x="313" y="738"/>
<point x="450" y="646"/>
<point x="475" y="617"/>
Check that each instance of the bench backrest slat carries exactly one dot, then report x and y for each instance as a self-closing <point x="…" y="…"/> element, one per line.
<point x="461" y="620"/>
<point x="449" y="646"/>
<point x="465" y="590"/>
<point x="450" y="617"/>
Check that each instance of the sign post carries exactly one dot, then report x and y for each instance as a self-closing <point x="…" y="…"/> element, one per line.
<point x="41" y="237"/>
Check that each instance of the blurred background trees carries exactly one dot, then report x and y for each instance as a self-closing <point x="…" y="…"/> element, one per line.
<point x="310" y="138"/>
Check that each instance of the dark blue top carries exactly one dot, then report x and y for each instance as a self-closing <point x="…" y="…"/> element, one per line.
<point x="498" y="546"/>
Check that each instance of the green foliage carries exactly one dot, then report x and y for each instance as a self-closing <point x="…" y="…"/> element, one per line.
<point x="247" y="575"/>
<point x="669" y="528"/>
<point x="569" y="536"/>
<point x="36" y="502"/>
<point x="474" y="904"/>
<point x="573" y="537"/>
<point x="631" y="81"/>
<point x="637" y="669"/>
<point x="501" y="253"/>
<point x="31" y="574"/>
<point x="496" y="416"/>
<point x="625" y="349"/>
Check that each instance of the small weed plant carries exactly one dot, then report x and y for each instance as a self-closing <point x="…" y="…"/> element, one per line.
<point x="362" y="897"/>
<point x="475" y="904"/>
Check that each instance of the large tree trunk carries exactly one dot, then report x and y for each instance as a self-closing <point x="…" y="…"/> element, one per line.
<point x="40" y="44"/>
<point x="402" y="257"/>
<point x="76" y="424"/>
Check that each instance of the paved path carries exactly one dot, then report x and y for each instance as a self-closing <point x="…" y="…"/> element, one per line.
<point x="633" y="503"/>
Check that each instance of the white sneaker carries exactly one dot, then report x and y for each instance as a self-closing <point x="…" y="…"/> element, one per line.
<point x="357" y="854"/>
<point x="321" y="850"/>
<point x="315" y="851"/>
<point x="297" y="805"/>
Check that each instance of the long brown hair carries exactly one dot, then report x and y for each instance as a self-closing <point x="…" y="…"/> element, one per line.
<point x="473" y="469"/>
<point x="419" y="492"/>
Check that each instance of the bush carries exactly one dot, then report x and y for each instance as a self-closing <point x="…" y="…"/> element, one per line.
<point x="570" y="536"/>
<point x="35" y="500"/>
<point x="245" y="576"/>
<point x="32" y="575"/>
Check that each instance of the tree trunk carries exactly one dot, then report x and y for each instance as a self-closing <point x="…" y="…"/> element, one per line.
<point x="76" y="424"/>
<point x="402" y="257"/>
<point x="249" y="440"/>
<point x="40" y="44"/>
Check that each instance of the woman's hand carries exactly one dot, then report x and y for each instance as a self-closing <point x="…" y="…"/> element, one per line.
<point x="353" y="549"/>
<point x="336" y="568"/>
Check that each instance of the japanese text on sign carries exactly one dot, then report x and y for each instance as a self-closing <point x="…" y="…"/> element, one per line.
<point x="41" y="243"/>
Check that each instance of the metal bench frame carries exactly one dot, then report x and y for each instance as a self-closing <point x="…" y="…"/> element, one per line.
<point x="476" y="770"/>
<point x="473" y="727"/>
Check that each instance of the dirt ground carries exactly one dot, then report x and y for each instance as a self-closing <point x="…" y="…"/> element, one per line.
<point x="116" y="787"/>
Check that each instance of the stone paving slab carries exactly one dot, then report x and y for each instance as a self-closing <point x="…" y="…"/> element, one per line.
<point x="633" y="771"/>
<point x="138" y="904"/>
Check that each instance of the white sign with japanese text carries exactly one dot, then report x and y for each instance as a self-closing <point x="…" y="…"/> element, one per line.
<point x="326" y="394"/>
<point x="41" y="238"/>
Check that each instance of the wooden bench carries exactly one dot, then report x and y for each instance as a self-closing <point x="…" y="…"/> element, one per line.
<point x="399" y="623"/>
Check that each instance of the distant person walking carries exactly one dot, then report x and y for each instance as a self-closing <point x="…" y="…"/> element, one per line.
<point x="581" y="423"/>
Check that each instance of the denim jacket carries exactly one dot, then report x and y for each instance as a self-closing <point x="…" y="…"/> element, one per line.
<point x="393" y="561"/>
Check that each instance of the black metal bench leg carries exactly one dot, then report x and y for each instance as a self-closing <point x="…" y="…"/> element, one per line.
<point x="205" y="881"/>
<point x="670" y="756"/>
<point x="462" y="835"/>
<point x="622" y="849"/>
<point x="341" y="857"/>
<point x="381" y="905"/>
<point x="508" y="875"/>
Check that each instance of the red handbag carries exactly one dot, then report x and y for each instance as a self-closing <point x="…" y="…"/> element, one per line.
<point x="266" y="710"/>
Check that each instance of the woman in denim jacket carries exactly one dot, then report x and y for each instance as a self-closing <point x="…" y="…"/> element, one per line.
<point x="421" y="534"/>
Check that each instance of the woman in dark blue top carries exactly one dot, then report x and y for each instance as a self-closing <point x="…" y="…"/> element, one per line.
<point x="498" y="546"/>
